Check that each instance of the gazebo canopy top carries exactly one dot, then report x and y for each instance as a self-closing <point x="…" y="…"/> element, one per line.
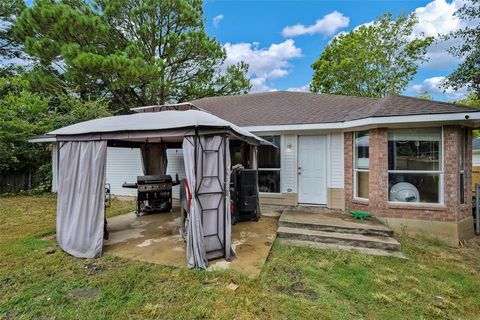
<point x="165" y="126"/>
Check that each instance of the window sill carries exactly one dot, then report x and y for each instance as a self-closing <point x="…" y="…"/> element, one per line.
<point x="416" y="206"/>
<point x="360" y="201"/>
<point x="270" y="194"/>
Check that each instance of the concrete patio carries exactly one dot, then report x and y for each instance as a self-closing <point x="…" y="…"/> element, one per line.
<point x="155" y="238"/>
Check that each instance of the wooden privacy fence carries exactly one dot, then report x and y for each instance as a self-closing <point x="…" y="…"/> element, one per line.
<point x="12" y="182"/>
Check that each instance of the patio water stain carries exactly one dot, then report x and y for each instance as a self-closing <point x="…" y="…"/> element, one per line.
<point x="156" y="238"/>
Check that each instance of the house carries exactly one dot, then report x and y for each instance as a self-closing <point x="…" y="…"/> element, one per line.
<point x="475" y="162"/>
<point x="405" y="160"/>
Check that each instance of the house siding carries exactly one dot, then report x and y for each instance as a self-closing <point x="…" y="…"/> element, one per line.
<point x="476" y="158"/>
<point x="336" y="161"/>
<point x="475" y="168"/>
<point x="288" y="174"/>
<point x="175" y="165"/>
<point x="289" y="171"/>
<point x="123" y="165"/>
<point x="54" y="167"/>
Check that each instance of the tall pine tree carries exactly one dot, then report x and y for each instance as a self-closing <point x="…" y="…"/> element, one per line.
<point x="134" y="52"/>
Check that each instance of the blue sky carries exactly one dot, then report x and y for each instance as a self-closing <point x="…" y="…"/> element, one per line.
<point x="252" y="31"/>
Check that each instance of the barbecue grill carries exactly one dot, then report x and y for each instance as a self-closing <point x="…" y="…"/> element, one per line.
<point x="154" y="193"/>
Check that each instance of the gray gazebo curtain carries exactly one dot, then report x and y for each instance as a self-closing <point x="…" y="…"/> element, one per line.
<point x="209" y="224"/>
<point x="154" y="159"/>
<point x="81" y="197"/>
<point x="196" y="254"/>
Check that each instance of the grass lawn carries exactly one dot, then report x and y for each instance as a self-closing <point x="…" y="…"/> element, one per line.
<point x="37" y="280"/>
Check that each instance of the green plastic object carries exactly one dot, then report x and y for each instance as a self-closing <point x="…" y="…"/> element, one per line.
<point x="359" y="215"/>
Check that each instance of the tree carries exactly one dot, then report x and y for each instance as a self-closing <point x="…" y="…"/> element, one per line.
<point x="373" y="60"/>
<point x="10" y="47"/>
<point x="471" y="100"/>
<point x="24" y="114"/>
<point x="467" y="73"/>
<point x="135" y="52"/>
<point x="425" y="95"/>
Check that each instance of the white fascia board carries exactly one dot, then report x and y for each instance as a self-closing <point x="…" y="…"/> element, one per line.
<point x="42" y="139"/>
<point x="372" y="121"/>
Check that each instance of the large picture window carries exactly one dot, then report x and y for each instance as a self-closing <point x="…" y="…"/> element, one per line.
<point x="269" y="166"/>
<point x="415" y="165"/>
<point x="361" y="166"/>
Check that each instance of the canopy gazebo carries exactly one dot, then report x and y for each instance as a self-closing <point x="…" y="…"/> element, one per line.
<point x="205" y="141"/>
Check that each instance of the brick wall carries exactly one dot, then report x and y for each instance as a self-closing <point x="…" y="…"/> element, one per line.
<point x="378" y="204"/>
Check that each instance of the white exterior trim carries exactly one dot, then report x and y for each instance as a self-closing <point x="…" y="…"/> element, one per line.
<point x="373" y="122"/>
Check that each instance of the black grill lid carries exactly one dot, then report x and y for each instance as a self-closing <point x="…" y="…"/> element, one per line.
<point x="154" y="179"/>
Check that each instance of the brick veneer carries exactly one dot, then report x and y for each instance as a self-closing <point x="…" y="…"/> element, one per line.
<point x="378" y="205"/>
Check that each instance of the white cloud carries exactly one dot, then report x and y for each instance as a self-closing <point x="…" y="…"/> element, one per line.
<point x="328" y="25"/>
<point x="305" y="88"/>
<point x="434" y="85"/>
<point x="431" y="85"/>
<point x="265" y="64"/>
<point x="217" y="20"/>
<point x="437" y="19"/>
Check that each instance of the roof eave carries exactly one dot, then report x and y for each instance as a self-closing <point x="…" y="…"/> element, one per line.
<point x="470" y="118"/>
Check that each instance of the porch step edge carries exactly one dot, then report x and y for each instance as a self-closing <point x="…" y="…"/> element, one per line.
<point x="348" y="239"/>
<point x="330" y="246"/>
<point x="382" y="232"/>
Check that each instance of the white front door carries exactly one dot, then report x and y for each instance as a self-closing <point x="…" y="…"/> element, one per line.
<point x="312" y="169"/>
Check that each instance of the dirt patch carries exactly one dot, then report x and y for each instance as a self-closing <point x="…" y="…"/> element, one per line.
<point x="84" y="293"/>
<point x="295" y="287"/>
<point x="93" y="268"/>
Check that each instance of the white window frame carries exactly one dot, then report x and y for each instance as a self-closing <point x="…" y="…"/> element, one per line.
<point x="463" y="134"/>
<point x="355" y="170"/>
<point x="439" y="172"/>
<point x="274" y="169"/>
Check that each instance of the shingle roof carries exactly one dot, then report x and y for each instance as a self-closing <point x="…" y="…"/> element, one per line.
<point x="286" y="107"/>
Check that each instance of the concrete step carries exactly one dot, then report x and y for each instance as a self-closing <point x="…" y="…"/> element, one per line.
<point x="330" y="246"/>
<point x="339" y="238"/>
<point x="334" y="225"/>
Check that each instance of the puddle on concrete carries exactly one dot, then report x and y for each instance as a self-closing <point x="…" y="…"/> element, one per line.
<point x="149" y="242"/>
<point x="124" y="235"/>
<point x="236" y="243"/>
<point x="145" y="243"/>
<point x="139" y="223"/>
